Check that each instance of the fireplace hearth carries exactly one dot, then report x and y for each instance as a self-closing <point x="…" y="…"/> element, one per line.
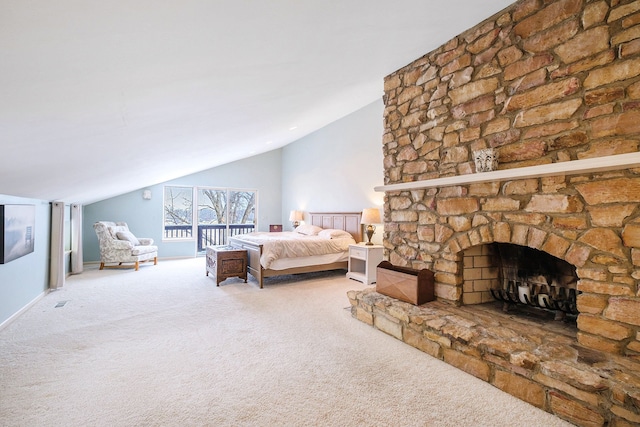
<point x="524" y="352"/>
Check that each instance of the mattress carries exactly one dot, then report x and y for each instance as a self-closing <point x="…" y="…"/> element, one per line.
<point x="306" y="261"/>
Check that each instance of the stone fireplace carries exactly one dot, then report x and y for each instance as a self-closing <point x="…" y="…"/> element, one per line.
<point x="554" y="88"/>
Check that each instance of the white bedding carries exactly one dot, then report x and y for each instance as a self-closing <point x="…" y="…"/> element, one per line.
<point x="278" y="246"/>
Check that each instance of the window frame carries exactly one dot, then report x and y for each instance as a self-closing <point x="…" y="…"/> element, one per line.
<point x="228" y="191"/>
<point x="195" y="198"/>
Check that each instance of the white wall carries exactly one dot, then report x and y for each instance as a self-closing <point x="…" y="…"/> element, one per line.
<point x="336" y="168"/>
<point x="25" y="279"/>
<point x="144" y="217"/>
<point x="332" y="169"/>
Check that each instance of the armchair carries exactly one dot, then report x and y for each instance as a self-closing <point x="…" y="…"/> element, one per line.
<point x="119" y="245"/>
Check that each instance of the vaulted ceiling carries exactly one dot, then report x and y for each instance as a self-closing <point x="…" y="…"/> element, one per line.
<point x="98" y="98"/>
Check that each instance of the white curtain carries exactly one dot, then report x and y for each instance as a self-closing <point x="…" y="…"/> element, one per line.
<point x="76" y="239"/>
<point x="56" y="264"/>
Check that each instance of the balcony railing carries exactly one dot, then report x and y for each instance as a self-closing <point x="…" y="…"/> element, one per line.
<point x="177" y="231"/>
<point x="209" y="234"/>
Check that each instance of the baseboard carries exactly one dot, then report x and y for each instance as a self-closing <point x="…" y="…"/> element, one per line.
<point x="15" y="315"/>
<point x="89" y="263"/>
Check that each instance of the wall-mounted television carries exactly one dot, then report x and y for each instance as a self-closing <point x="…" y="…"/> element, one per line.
<point x="17" y="231"/>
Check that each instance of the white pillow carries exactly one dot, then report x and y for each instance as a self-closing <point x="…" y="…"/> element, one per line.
<point x="308" y="229"/>
<point x="334" y="233"/>
<point x="128" y="236"/>
<point x="114" y="230"/>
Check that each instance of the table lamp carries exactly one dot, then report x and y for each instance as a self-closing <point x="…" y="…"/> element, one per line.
<point x="370" y="216"/>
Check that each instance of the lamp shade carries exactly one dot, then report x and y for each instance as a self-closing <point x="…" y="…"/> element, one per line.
<point x="371" y="216"/>
<point x="295" y="216"/>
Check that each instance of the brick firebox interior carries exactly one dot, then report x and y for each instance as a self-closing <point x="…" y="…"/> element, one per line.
<point x="542" y="83"/>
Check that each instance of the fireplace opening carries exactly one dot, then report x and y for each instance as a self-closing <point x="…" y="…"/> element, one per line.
<point x="524" y="280"/>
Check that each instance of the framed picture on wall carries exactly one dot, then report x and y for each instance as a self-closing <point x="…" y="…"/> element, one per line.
<point x="16" y="231"/>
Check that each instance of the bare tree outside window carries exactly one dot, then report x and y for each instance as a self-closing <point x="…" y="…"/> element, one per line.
<point x="223" y="213"/>
<point x="178" y="212"/>
<point x="212" y="206"/>
<point x="242" y="207"/>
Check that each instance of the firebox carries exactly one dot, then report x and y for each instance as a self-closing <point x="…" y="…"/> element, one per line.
<point x="520" y="276"/>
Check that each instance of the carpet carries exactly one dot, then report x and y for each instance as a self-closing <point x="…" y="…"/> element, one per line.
<point x="165" y="347"/>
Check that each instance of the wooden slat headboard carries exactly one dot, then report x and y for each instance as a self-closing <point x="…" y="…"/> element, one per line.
<point x="347" y="221"/>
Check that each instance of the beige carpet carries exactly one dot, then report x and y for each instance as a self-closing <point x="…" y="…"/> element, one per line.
<point x="165" y="347"/>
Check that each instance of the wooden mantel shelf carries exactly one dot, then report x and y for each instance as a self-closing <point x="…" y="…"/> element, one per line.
<point x="597" y="164"/>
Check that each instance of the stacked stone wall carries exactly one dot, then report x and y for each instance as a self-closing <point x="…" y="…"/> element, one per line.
<point x="542" y="82"/>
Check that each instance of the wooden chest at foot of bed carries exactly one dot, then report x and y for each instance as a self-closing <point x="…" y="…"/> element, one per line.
<point x="224" y="262"/>
<point x="406" y="284"/>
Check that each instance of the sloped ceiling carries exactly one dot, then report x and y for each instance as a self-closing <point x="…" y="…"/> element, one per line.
<point x="98" y="98"/>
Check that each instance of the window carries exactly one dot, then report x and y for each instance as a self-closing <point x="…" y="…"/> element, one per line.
<point x="221" y="212"/>
<point x="178" y="212"/>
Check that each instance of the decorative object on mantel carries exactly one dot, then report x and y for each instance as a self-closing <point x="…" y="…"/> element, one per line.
<point x="295" y="217"/>
<point x="486" y="159"/>
<point x="370" y="216"/>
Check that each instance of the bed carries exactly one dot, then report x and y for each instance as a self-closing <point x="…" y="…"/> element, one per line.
<point x="258" y="248"/>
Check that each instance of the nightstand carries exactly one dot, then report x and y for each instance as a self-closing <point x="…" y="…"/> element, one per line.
<point x="363" y="260"/>
<point x="226" y="261"/>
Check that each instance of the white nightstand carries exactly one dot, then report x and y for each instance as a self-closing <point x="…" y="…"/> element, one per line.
<point x="363" y="261"/>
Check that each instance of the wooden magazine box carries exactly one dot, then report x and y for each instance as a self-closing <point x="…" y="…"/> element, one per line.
<point x="406" y="284"/>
